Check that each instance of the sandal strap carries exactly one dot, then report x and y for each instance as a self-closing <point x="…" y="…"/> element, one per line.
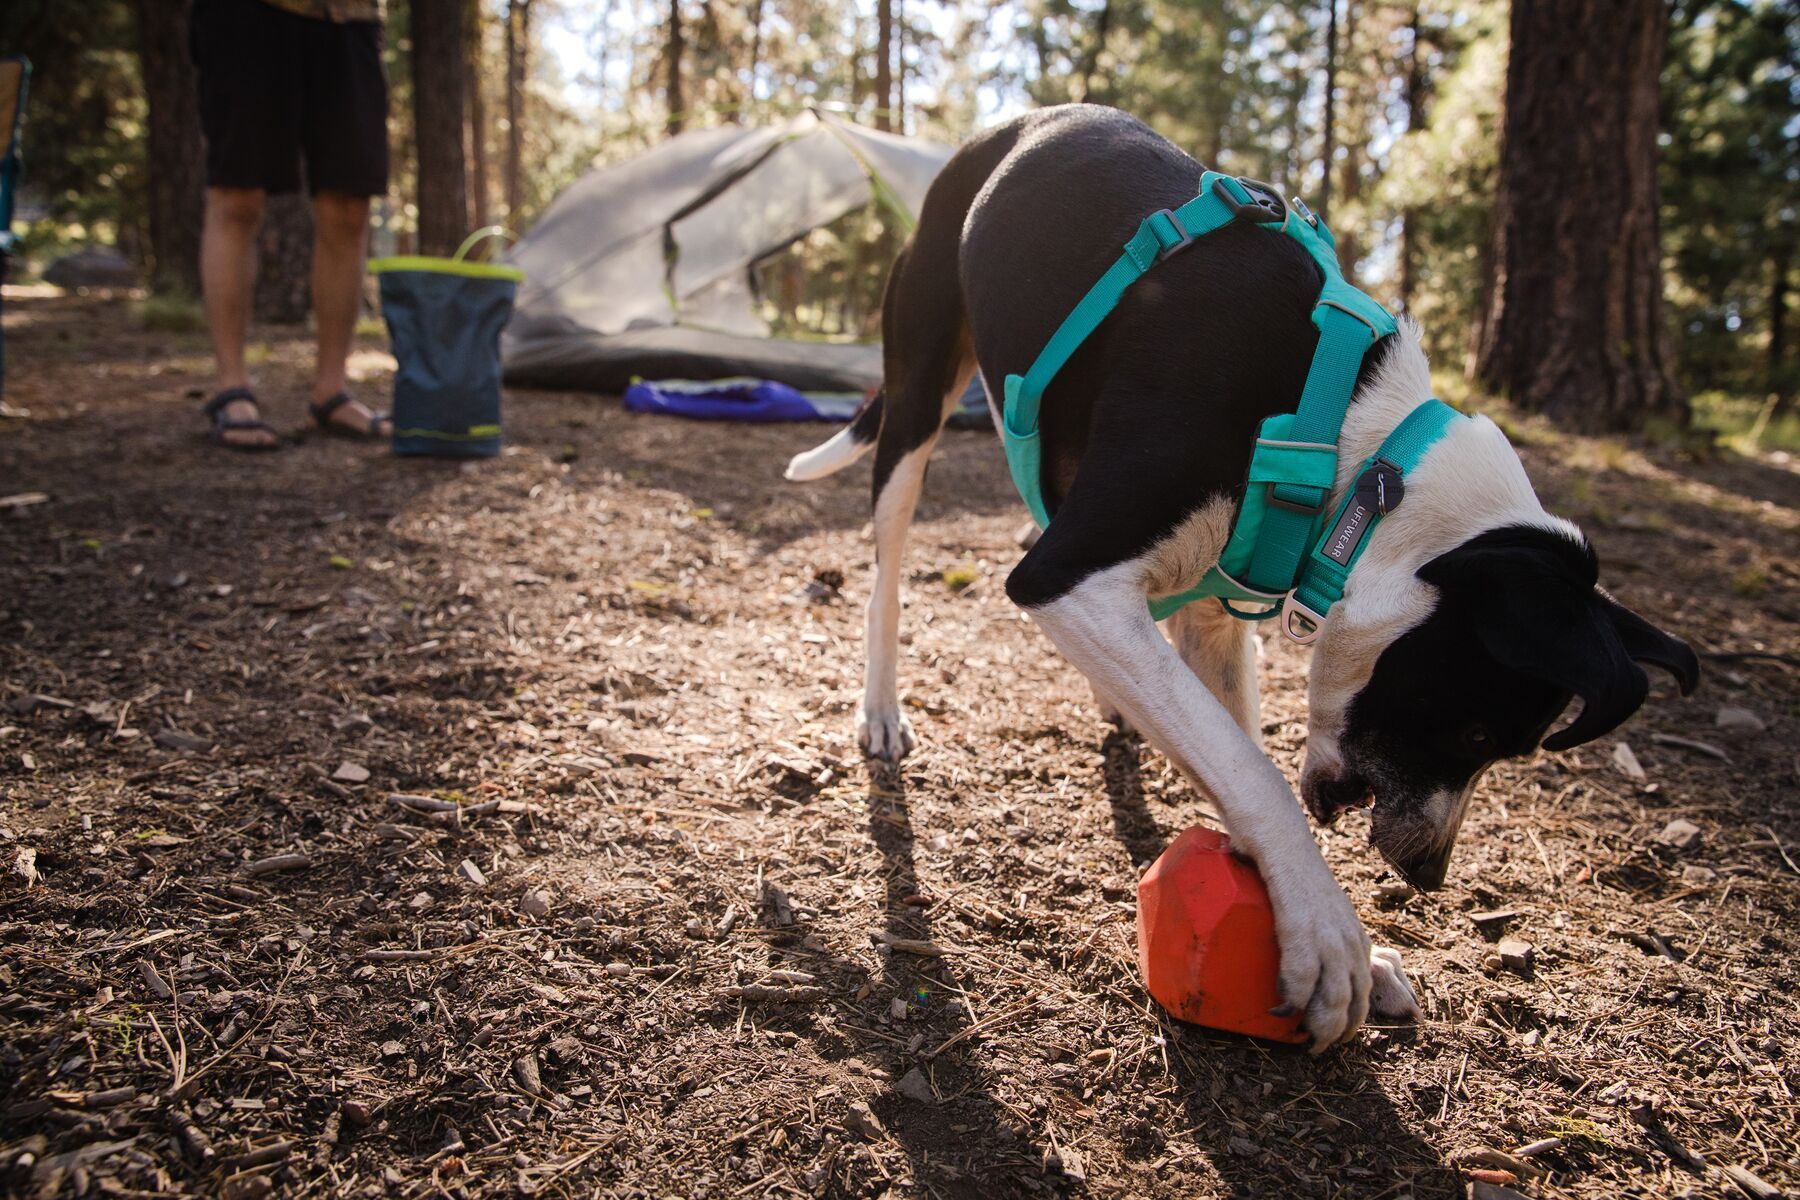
<point x="230" y="395"/>
<point x="322" y="412"/>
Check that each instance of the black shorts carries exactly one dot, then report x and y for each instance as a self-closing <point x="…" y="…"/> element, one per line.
<point x="275" y="86"/>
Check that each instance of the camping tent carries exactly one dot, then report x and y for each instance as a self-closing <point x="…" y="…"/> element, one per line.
<point x="644" y="268"/>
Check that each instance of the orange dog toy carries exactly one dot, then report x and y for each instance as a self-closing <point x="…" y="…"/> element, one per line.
<point x="1206" y="939"/>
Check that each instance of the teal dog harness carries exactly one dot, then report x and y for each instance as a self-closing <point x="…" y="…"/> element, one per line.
<point x="1286" y="552"/>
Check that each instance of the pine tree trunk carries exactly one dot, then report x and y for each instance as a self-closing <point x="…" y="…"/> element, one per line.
<point x="1575" y="326"/>
<point x="1780" y="261"/>
<point x="1349" y="187"/>
<point x="1102" y="24"/>
<point x="1330" y="109"/>
<point x="518" y="46"/>
<point x="884" y="64"/>
<point x="437" y="94"/>
<point x="178" y="182"/>
<point x="1415" y="121"/>
<point x="479" y="199"/>
<point x="284" y="261"/>
<point x="676" y="47"/>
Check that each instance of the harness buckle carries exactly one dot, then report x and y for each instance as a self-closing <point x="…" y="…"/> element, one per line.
<point x="1299" y="622"/>
<point x="1165" y="249"/>
<point x="1265" y="207"/>
<point x="1308" y="510"/>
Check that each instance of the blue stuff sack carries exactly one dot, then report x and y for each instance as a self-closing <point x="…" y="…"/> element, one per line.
<point x="444" y="317"/>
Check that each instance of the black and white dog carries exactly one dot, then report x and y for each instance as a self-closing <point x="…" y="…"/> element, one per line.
<point x="1468" y="625"/>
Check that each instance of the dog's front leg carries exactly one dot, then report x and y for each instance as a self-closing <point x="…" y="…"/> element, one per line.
<point x="1103" y="626"/>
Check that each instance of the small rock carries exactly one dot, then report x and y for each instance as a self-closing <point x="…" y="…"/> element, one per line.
<point x="1493" y="919"/>
<point x="1696" y="874"/>
<point x="914" y="1086"/>
<point x="23" y="868"/>
<point x="1734" y="719"/>
<point x="357" y="1113"/>
<point x="1067" y="1160"/>
<point x="864" y="1123"/>
<point x="392" y="1049"/>
<point x="349" y="772"/>
<point x="1517" y="956"/>
<point x="897" y="1008"/>
<point x="1393" y="893"/>
<point x="1493" y="964"/>
<point x="469" y="871"/>
<point x="1680" y="835"/>
<point x="535" y="904"/>
<point x="1624" y="758"/>
<point x="618" y="970"/>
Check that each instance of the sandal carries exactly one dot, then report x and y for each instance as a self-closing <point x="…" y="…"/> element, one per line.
<point x="380" y="424"/>
<point x="214" y="411"/>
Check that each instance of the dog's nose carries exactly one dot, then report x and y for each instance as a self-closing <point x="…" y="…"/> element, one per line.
<point x="1426" y="872"/>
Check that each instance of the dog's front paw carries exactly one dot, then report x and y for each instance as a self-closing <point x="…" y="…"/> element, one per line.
<point x="1390" y="992"/>
<point x="1325" y="962"/>
<point x="885" y="734"/>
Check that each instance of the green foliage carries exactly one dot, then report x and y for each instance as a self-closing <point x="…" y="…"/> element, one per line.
<point x="171" y="314"/>
<point x="1731" y="187"/>
<point x="84" y="141"/>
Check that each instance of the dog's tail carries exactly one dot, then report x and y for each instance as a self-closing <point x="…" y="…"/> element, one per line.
<point x="851" y="443"/>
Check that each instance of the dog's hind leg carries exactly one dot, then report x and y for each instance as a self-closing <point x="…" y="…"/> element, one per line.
<point x="928" y="364"/>
<point x="1220" y="650"/>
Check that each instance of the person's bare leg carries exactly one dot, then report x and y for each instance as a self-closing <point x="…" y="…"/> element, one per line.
<point x="340" y="224"/>
<point x="227" y="276"/>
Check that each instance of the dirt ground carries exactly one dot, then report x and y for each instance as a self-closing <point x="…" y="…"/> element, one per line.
<point x="232" y="963"/>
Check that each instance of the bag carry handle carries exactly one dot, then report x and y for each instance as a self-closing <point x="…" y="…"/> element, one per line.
<point x="481" y="235"/>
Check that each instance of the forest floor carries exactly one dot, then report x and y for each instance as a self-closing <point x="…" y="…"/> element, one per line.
<point x="627" y="654"/>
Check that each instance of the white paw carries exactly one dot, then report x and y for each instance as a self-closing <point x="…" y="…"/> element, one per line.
<point x="1390" y="992"/>
<point x="1325" y="960"/>
<point x="885" y="734"/>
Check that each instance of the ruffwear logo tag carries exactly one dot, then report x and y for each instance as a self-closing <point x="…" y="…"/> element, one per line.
<point x="1349" y="533"/>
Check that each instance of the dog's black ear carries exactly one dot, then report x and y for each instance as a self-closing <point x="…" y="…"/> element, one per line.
<point x="1648" y="644"/>
<point x="1532" y="598"/>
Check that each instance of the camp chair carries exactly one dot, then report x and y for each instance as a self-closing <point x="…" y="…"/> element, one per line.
<point x="14" y="72"/>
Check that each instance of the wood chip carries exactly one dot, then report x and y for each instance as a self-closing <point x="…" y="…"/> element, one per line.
<point x="152" y="980"/>
<point x="1626" y="759"/>
<point x="1750" y="1183"/>
<point x="469" y="871"/>
<point x="349" y="772"/>
<point x="278" y="862"/>
<point x="908" y="945"/>
<point x="795" y="994"/>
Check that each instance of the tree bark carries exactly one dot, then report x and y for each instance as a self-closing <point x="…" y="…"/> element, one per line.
<point x="1330" y="109"/>
<point x="1575" y="326"/>
<point x="478" y="145"/>
<point x="437" y="93"/>
<point x="518" y="47"/>
<point x="675" y="48"/>
<point x="1102" y="25"/>
<point x="1415" y="121"/>
<point x="177" y="185"/>
<point x="1349" y="187"/>
<point x="884" y="64"/>
<point x="1780" y="261"/>
<point x="284" y="261"/>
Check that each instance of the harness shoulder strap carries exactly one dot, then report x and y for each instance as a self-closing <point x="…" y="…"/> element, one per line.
<point x="1222" y="199"/>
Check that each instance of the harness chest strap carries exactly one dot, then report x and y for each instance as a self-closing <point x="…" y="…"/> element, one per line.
<point x="1294" y="464"/>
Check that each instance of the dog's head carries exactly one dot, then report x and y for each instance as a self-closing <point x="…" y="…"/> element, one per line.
<point x="1475" y="654"/>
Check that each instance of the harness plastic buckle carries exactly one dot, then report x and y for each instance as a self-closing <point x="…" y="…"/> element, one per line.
<point x="1265" y="207"/>
<point x="1165" y="249"/>
<point x="1299" y="622"/>
<point x="1309" y="510"/>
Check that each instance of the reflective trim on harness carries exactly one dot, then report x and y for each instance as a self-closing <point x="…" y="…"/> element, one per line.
<point x="1274" y="555"/>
